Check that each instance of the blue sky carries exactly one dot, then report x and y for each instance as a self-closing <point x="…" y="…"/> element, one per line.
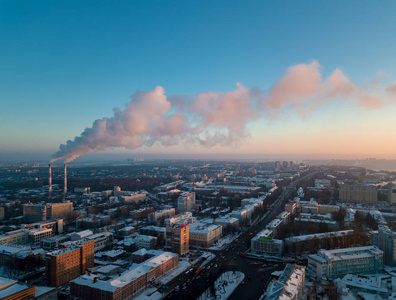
<point x="67" y="63"/>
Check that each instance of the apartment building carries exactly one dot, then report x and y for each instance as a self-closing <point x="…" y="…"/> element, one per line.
<point x="358" y="193"/>
<point x="69" y="262"/>
<point x="386" y="241"/>
<point x="178" y="238"/>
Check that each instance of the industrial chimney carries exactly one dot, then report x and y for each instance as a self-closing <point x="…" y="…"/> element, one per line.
<point x="49" y="180"/>
<point x="65" y="180"/>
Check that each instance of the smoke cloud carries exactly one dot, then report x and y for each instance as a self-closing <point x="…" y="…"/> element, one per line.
<point x="213" y="118"/>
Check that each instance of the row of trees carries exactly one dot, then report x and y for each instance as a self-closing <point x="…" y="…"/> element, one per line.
<point x="366" y="219"/>
<point x="16" y="266"/>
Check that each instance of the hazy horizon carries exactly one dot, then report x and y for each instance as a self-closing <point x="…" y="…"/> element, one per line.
<point x="102" y="156"/>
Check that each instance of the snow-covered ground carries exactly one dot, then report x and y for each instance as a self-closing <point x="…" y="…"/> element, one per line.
<point x="209" y="256"/>
<point x="223" y="242"/>
<point x="183" y="266"/>
<point x="269" y="258"/>
<point x="360" y="295"/>
<point x="225" y="285"/>
<point x="149" y="294"/>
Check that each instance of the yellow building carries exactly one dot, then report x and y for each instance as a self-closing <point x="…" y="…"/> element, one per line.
<point x="204" y="235"/>
<point x="326" y="209"/>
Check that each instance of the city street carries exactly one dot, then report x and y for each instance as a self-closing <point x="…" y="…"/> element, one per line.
<point x="257" y="272"/>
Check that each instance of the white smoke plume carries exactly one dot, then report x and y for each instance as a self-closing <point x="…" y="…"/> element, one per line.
<point x="213" y="118"/>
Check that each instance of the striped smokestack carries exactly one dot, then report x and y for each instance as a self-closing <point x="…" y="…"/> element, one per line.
<point x="49" y="180"/>
<point x="65" y="180"/>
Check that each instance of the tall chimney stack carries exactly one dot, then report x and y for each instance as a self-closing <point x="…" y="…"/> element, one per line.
<point x="49" y="180"/>
<point x="65" y="180"/>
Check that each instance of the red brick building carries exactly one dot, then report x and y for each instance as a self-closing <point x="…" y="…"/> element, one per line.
<point x="69" y="262"/>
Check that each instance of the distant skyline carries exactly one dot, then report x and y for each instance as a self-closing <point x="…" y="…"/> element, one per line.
<point x="297" y="78"/>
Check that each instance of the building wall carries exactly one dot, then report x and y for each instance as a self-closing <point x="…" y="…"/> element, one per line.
<point x="69" y="264"/>
<point x="17" y="237"/>
<point x="186" y="202"/>
<point x="27" y="293"/>
<point x="2" y="213"/>
<point x="59" y="210"/>
<point x="356" y="193"/>
<point x="325" y="209"/>
<point x="155" y="217"/>
<point x="34" y="213"/>
<point x="36" y="236"/>
<point x="291" y="207"/>
<point x="178" y="239"/>
<point x="387" y="243"/>
<point x="392" y="194"/>
<point x="269" y="247"/>
<point x="128" y="290"/>
<point x="205" y="238"/>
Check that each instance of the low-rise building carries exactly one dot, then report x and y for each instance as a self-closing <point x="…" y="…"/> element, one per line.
<point x="129" y="283"/>
<point x="159" y="216"/>
<point x="158" y="232"/>
<point x="289" y="285"/>
<point x="264" y="243"/>
<point x="284" y="216"/>
<point x="10" y="289"/>
<point x="304" y="241"/>
<point x="75" y="236"/>
<point x="227" y="222"/>
<point x="204" y="235"/>
<point x="337" y="263"/>
<point x="133" y="198"/>
<point x="378" y="284"/>
<point x="327" y="209"/>
<point x="15" y="237"/>
<point x="53" y="242"/>
<point x="101" y="240"/>
<point x="182" y="218"/>
<point x="37" y="235"/>
<point x="243" y="213"/>
<point x="291" y="207"/>
<point x="146" y="241"/>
